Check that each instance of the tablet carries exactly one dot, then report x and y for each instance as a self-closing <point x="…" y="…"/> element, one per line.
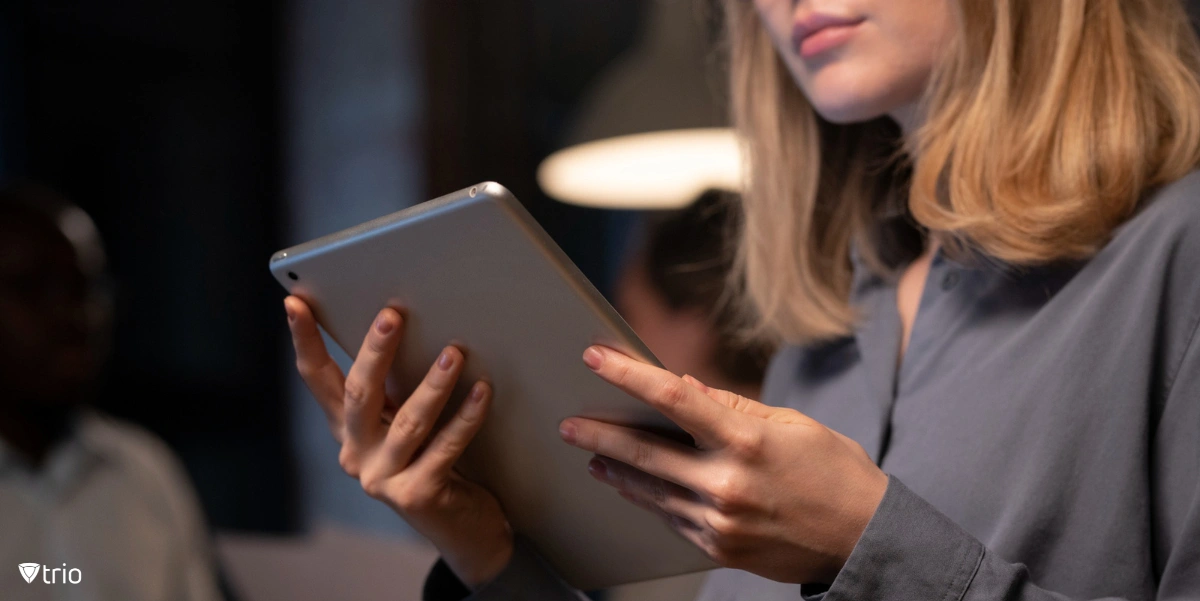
<point x="473" y="268"/>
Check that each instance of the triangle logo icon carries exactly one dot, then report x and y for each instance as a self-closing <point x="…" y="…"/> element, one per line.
<point x="29" y="571"/>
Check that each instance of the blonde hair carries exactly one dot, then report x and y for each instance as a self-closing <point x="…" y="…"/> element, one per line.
<point x="1048" y="123"/>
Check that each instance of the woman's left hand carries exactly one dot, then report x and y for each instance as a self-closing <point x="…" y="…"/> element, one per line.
<point x="768" y="490"/>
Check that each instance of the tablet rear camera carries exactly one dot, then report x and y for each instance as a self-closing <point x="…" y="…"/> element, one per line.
<point x="292" y="274"/>
<point x="472" y="192"/>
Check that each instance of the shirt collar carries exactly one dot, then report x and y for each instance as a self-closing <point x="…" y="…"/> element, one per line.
<point x="66" y="465"/>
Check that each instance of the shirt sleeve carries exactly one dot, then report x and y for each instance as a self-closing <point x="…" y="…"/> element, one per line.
<point x="910" y="550"/>
<point x="526" y="577"/>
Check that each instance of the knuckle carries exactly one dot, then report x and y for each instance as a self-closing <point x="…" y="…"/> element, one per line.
<point x="726" y="492"/>
<point x="413" y="499"/>
<point x="673" y="392"/>
<point x="406" y="427"/>
<point x="305" y="369"/>
<point x="468" y="423"/>
<point x="741" y="403"/>
<point x="355" y="393"/>
<point x="643" y="453"/>
<point x="469" y="419"/>
<point x="376" y="343"/>
<point x="438" y="382"/>
<point x="745" y="441"/>
<point x="373" y="484"/>
<point x="404" y="500"/>
<point x="451" y="448"/>
<point x="349" y="461"/>
<point x="723" y="526"/>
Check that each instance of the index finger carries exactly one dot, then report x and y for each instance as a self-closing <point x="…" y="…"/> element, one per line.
<point x="318" y="370"/>
<point x="705" y="419"/>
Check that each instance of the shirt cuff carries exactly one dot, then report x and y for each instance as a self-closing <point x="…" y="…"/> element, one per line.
<point x="527" y="576"/>
<point x="909" y="550"/>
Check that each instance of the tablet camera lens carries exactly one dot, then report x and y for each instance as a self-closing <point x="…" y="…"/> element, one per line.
<point x="472" y="192"/>
<point x="292" y="274"/>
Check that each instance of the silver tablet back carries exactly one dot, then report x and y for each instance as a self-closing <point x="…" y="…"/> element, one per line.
<point x="474" y="268"/>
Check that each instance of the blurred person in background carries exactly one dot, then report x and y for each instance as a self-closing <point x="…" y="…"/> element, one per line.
<point x="975" y="227"/>
<point x="79" y="490"/>
<point x="672" y="292"/>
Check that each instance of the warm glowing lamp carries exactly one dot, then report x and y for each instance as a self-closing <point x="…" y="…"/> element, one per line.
<point x="656" y="170"/>
<point x="649" y="133"/>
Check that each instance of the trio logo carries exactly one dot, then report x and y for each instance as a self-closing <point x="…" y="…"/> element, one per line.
<point x="29" y="571"/>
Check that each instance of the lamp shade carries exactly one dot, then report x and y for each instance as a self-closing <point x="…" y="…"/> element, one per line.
<point x="655" y="170"/>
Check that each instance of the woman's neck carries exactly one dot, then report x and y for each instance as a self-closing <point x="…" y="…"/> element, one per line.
<point x="908" y="117"/>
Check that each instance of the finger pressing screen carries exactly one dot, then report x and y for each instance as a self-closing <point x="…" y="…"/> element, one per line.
<point x="708" y="421"/>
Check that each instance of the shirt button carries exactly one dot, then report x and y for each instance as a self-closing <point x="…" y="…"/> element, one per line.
<point x="950" y="280"/>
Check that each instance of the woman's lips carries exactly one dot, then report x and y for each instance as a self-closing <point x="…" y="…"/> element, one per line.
<point x="816" y="33"/>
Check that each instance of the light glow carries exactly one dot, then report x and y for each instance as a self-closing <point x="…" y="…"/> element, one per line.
<point x="657" y="170"/>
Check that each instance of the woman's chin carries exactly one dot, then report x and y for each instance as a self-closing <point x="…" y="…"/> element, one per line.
<point x="853" y="95"/>
<point x="843" y="113"/>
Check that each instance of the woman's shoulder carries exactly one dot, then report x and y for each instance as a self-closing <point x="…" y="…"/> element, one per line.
<point x="1155" y="255"/>
<point x="1165" y="231"/>
<point x="1170" y="210"/>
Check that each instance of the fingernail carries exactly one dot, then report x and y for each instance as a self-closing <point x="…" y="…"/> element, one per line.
<point x="476" y="393"/>
<point x="445" y="361"/>
<point x="592" y="357"/>
<point x="383" y="324"/>
<point x="598" y="469"/>
<point x="567" y="431"/>
<point x="290" y="313"/>
<point x="474" y="400"/>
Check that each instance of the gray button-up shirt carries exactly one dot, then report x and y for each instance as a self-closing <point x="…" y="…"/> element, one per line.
<point x="1042" y="433"/>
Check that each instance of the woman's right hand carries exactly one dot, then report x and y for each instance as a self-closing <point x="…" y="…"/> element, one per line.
<point x="400" y="464"/>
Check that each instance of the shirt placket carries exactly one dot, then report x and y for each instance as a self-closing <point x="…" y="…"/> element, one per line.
<point x="892" y="372"/>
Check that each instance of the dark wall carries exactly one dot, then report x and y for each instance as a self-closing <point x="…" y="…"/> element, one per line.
<point x="161" y="119"/>
<point x="503" y="81"/>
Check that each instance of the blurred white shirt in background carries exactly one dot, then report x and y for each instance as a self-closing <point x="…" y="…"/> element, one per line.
<point x="113" y="502"/>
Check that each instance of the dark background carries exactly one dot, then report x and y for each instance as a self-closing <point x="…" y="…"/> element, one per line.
<point x="169" y="123"/>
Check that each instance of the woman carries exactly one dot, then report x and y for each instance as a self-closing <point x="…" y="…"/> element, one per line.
<point x="975" y="226"/>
